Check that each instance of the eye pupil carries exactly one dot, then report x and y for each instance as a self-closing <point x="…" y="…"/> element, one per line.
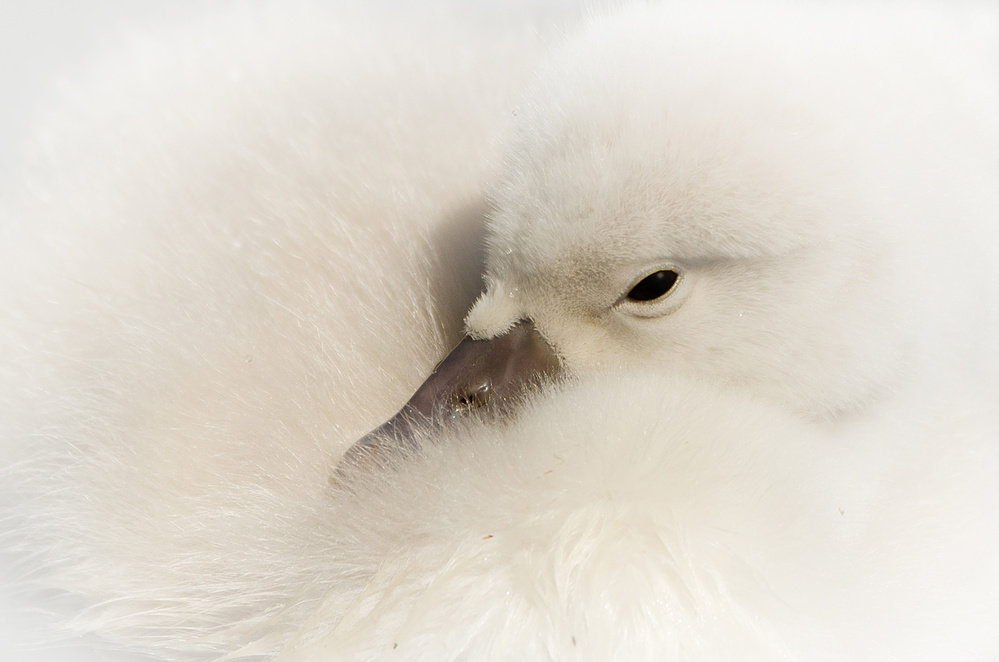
<point x="653" y="286"/>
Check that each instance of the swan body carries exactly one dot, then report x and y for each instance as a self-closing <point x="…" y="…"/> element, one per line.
<point x="783" y="456"/>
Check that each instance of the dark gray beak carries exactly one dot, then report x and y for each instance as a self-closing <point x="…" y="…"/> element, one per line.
<point x="487" y="376"/>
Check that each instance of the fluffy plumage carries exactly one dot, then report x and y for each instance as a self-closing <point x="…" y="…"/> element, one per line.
<point x="783" y="181"/>
<point x="250" y="262"/>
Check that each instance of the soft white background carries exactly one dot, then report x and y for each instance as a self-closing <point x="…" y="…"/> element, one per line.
<point x="43" y="42"/>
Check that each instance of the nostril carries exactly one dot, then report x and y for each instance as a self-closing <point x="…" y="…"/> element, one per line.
<point x="468" y="400"/>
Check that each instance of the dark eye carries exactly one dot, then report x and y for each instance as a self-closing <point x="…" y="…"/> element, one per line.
<point x="654" y="286"/>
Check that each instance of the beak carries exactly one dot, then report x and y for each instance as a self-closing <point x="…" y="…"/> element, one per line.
<point x="487" y="376"/>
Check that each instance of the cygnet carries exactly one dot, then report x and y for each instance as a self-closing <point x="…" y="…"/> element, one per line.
<point x="728" y="393"/>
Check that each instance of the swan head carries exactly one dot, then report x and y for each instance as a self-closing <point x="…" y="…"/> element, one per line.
<point x="709" y="218"/>
<point x="702" y="217"/>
